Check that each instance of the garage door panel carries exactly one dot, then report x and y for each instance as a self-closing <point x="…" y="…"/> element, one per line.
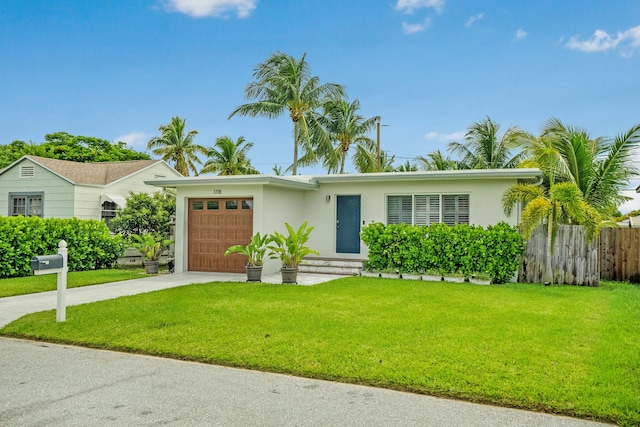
<point x="213" y="229"/>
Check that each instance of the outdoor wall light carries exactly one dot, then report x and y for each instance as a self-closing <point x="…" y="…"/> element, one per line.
<point x="328" y="198"/>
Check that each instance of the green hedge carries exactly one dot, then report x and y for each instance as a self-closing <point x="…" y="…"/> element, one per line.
<point x="462" y="249"/>
<point x="89" y="242"/>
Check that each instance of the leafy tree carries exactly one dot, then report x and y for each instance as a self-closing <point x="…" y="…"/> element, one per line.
<point x="229" y="158"/>
<point x="176" y="146"/>
<point x="277" y="170"/>
<point x="285" y="84"/>
<point x="64" y="146"/>
<point x="436" y="161"/>
<point x="87" y="149"/>
<point x="145" y="213"/>
<point x="484" y="149"/>
<point x="343" y="126"/>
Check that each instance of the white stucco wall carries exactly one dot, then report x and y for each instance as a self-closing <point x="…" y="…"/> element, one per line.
<point x="58" y="197"/>
<point x="485" y="206"/>
<point x="274" y="205"/>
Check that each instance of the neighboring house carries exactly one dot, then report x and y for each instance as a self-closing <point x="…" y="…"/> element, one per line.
<point x="213" y="213"/>
<point x="38" y="186"/>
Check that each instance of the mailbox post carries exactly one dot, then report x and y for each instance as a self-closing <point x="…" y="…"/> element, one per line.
<point x="50" y="264"/>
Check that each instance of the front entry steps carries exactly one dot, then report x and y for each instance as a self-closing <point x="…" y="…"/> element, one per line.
<point x="347" y="267"/>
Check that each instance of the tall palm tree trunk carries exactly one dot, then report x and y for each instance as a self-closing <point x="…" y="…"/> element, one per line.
<point x="342" y="160"/>
<point x="294" y="167"/>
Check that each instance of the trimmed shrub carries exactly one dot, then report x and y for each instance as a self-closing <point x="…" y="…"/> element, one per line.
<point x="462" y="249"/>
<point x="89" y="242"/>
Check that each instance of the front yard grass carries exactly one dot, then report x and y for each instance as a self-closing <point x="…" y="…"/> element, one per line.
<point x="566" y="350"/>
<point x="75" y="279"/>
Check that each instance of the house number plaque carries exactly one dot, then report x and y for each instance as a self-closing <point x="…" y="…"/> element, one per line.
<point x="217" y="191"/>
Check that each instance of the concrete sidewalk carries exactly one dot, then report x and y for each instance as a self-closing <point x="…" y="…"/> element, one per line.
<point x="12" y="308"/>
<point x="55" y="385"/>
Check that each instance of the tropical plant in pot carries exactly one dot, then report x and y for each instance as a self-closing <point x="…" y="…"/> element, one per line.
<point x="256" y="252"/>
<point x="291" y="249"/>
<point x="150" y="246"/>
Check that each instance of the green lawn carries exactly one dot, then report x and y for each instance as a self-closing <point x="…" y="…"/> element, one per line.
<point x="48" y="282"/>
<point x="568" y="350"/>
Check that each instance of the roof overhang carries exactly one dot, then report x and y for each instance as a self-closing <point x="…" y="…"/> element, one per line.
<point x="119" y="200"/>
<point x="519" y="174"/>
<point x="313" y="182"/>
<point x="301" y="183"/>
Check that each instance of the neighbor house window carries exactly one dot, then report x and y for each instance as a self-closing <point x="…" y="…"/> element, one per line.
<point x="108" y="211"/>
<point x="429" y="209"/>
<point x="29" y="204"/>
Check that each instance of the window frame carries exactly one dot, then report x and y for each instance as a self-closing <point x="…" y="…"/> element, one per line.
<point x="422" y="208"/>
<point x="26" y="195"/>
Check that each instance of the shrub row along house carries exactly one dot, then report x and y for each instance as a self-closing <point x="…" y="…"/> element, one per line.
<point x="214" y="213"/>
<point x="38" y="186"/>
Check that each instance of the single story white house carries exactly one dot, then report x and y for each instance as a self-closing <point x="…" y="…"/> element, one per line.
<point x="215" y="212"/>
<point x="39" y="186"/>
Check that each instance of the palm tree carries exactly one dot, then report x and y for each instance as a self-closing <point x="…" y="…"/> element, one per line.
<point x="285" y="84"/>
<point x="365" y="160"/>
<point x="561" y="203"/>
<point x="229" y="158"/>
<point x="176" y="147"/>
<point x="601" y="168"/>
<point x="341" y="124"/>
<point x="436" y="161"/>
<point x="483" y="149"/>
<point x="406" y="167"/>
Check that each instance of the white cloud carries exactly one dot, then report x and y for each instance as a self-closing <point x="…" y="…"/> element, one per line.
<point x="409" y="6"/>
<point x="217" y="8"/>
<point x="136" y="140"/>
<point x="415" y="28"/>
<point x="520" y="34"/>
<point x="446" y="137"/>
<point x="601" y="41"/>
<point x="473" y="19"/>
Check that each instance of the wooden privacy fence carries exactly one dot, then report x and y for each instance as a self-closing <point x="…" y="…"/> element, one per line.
<point x="574" y="262"/>
<point x="614" y="255"/>
<point x="620" y="254"/>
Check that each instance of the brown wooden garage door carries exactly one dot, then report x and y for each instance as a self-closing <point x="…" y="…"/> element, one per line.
<point x="214" y="226"/>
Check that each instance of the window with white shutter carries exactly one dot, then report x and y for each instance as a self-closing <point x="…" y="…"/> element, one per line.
<point x="422" y="209"/>
<point x="455" y="209"/>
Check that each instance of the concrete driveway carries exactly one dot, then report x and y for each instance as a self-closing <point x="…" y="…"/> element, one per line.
<point x="12" y="308"/>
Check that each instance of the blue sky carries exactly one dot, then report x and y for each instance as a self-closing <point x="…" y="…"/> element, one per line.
<point x="431" y="68"/>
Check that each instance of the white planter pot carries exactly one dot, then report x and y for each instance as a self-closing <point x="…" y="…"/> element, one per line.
<point x="369" y="274"/>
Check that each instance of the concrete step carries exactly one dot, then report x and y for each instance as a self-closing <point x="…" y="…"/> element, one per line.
<point x="347" y="267"/>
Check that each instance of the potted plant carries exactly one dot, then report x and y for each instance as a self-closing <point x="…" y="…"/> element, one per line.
<point x="291" y="249"/>
<point x="150" y="246"/>
<point x="257" y="253"/>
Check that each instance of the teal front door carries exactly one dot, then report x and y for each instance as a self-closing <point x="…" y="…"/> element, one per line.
<point x="348" y="224"/>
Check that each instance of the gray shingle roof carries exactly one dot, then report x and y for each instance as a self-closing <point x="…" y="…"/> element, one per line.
<point x="102" y="173"/>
